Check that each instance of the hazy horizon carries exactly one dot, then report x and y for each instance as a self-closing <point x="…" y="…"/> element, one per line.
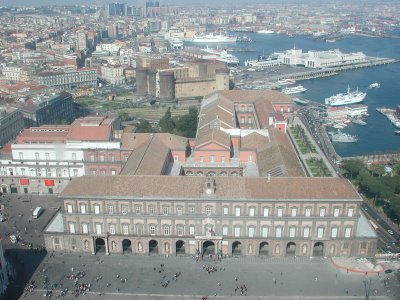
<point x="167" y="2"/>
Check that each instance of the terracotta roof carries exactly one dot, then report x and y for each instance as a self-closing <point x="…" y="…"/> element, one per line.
<point x="243" y="188"/>
<point x="43" y="134"/>
<point x="278" y="158"/>
<point x="92" y="128"/>
<point x="151" y="152"/>
<point x="213" y="135"/>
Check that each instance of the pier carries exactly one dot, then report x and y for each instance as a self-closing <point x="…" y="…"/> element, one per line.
<point x="325" y="72"/>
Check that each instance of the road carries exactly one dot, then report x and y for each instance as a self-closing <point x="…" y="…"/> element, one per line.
<point x="385" y="238"/>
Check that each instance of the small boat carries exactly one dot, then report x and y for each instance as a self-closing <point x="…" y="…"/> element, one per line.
<point x="359" y="121"/>
<point x="397" y="132"/>
<point x="286" y="81"/>
<point x="339" y="125"/>
<point x="374" y="85"/>
<point x="294" y="90"/>
<point x="300" y="101"/>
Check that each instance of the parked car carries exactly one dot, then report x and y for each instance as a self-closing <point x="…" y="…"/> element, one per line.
<point x="13" y="239"/>
<point x="390" y="231"/>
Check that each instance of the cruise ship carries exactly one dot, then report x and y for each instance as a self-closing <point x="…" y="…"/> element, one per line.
<point x="341" y="137"/>
<point x="294" y="90"/>
<point x="346" y="99"/>
<point x="213" y="38"/>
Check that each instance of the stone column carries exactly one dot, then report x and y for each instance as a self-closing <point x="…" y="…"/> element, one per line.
<point x="94" y="246"/>
<point x="107" y="251"/>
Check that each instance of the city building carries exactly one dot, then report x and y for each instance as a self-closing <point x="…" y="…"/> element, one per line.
<point x="196" y="79"/>
<point x="44" y="159"/>
<point x="12" y="72"/>
<point x="113" y="75"/>
<point x="68" y="79"/>
<point x="11" y="124"/>
<point x="240" y="133"/>
<point x="243" y="133"/>
<point x="82" y="40"/>
<point x="319" y="59"/>
<point x="218" y="216"/>
<point x="56" y="109"/>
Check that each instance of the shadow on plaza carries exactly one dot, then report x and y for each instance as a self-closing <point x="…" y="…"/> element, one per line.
<point x="24" y="263"/>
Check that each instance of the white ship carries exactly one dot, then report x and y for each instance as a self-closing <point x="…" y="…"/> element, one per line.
<point x="374" y="85"/>
<point x="211" y="38"/>
<point x="294" y="90"/>
<point x="300" y="101"/>
<point x="266" y="31"/>
<point x="359" y="121"/>
<point x="286" y="81"/>
<point x="346" y="99"/>
<point x="341" y="137"/>
<point x="223" y="56"/>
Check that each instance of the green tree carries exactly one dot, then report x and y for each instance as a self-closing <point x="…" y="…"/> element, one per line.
<point x="187" y="124"/>
<point x="166" y="123"/>
<point x="353" y="167"/>
<point x="144" y="127"/>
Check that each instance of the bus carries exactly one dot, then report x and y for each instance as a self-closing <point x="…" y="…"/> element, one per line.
<point x="376" y="227"/>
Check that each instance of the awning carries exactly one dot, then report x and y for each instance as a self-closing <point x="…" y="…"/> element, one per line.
<point x="49" y="182"/>
<point x="24" y="181"/>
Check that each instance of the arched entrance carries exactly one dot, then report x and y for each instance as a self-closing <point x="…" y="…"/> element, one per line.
<point x="4" y="189"/>
<point x="208" y="248"/>
<point x="153" y="247"/>
<point x="126" y="246"/>
<point x="263" y="249"/>
<point x="291" y="249"/>
<point x="100" y="245"/>
<point x="318" y="249"/>
<point x="180" y="247"/>
<point x="237" y="248"/>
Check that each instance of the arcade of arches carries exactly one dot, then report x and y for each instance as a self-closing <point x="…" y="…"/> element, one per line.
<point x="210" y="247"/>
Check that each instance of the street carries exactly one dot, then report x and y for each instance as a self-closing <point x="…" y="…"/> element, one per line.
<point x="29" y="252"/>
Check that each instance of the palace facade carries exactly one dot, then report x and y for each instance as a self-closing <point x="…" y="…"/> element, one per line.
<point x="224" y="216"/>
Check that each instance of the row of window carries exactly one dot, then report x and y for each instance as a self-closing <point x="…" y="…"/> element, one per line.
<point x="92" y="157"/>
<point x="179" y="210"/>
<point x="38" y="172"/>
<point x="236" y="231"/>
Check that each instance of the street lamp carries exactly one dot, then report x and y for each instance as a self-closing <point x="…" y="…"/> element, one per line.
<point x="367" y="285"/>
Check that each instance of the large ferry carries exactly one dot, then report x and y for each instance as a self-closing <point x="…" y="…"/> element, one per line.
<point x="213" y="38"/>
<point x="341" y="137"/>
<point x="294" y="90"/>
<point x="346" y="99"/>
